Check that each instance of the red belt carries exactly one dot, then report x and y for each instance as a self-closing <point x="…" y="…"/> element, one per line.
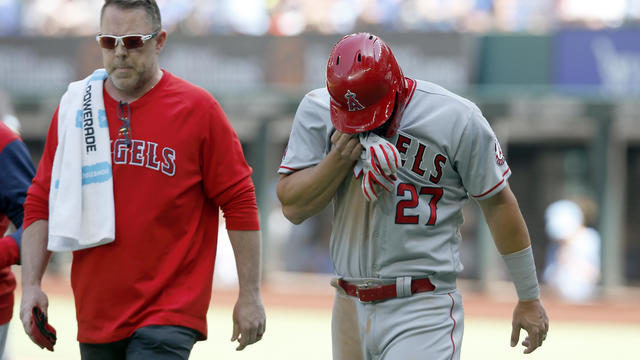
<point x="374" y="292"/>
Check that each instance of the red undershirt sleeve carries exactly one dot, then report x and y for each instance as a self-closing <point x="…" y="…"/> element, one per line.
<point x="239" y="206"/>
<point x="226" y="174"/>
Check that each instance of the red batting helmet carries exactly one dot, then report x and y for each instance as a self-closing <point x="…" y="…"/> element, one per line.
<point x="363" y="79"/>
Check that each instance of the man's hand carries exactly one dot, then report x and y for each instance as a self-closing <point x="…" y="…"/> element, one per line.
<point x="347" y="145"/>
<point x="32" y="296"/>
<point x="383" y="156"/>
<point x="530" y="316"/>
<point x="249" y="322"/>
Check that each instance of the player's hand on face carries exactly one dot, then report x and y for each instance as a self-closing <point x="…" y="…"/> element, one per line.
<point x="530" y="316"/>
<point x="32" y="296"/>
<point x="249" y="322"/>
<point x="347" y="145"/>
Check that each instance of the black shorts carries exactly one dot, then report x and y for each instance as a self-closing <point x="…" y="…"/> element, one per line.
<point x="161" y="342"/>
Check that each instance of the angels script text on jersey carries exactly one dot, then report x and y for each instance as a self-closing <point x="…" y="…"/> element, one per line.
<point x="412" y="149"/>
<point x="145" y="153"/>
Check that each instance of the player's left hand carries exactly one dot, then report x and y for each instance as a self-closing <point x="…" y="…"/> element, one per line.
<point x="379" y="164"/>
<point x="373" y="185"/>
<point x="383" y="157"/>
<point x="530" y="316"/>
<point x="249" y="322"/>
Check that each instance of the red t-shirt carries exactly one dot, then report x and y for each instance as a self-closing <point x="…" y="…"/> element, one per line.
<point x="184" y="164"/>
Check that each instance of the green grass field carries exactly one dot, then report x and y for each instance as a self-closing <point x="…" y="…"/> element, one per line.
<point x="305" y="334"/>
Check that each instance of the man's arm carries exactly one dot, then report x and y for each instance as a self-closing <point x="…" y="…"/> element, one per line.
<point x="510" y="235"/>
<point x="248" y="314"/>
<point x="35" y="258"/>
<point x="306" y="192"/>
<point x="505" y="221"/>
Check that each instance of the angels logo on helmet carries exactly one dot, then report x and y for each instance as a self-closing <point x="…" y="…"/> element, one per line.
<point x="352" y="102"/>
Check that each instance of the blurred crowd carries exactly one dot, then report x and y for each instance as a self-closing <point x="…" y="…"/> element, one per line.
<point x="292" y="17"/>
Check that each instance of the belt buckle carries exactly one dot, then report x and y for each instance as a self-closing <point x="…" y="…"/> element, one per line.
<point x="367" y="285"/>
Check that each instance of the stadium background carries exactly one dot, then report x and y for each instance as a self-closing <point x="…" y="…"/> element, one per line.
<point x="559" y="80"/>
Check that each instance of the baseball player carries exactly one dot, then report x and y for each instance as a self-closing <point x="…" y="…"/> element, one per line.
<point x="16" y="172"/>
<point x="399" y="157"/>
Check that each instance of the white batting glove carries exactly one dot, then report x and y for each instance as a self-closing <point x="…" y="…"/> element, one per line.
<point x="383" y="156"/>
<point x="378" y="163"/>
<point x="373" y="185"/>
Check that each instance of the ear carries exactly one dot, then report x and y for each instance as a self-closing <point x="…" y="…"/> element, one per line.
<point x="161" y="38"/>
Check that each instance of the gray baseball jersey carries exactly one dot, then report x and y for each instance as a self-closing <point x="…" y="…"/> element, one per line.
<point x="449" y="153"/>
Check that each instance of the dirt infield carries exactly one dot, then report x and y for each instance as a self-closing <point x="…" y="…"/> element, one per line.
<point x="312" y="291"/>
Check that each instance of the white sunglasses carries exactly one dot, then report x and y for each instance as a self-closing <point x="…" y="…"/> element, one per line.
<point x="128" y="41"/>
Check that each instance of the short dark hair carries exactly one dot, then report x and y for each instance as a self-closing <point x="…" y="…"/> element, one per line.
<point x="149" y="6"/>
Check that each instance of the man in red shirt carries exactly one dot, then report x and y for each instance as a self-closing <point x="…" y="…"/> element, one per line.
<point x="16" y="172"/>
<point x="175" y="162"/>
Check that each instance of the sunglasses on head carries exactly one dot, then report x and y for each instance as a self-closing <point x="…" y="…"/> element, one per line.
<point x="128" y="41"/>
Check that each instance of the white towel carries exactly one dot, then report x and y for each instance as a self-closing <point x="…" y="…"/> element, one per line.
<point x="81" y="208"/>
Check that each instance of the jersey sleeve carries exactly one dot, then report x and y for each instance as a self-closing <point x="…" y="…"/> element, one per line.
<point x="16" y="174"/>
<point x="309" y="141"/>
<point x="479" y="158"/>
<point x="36" y="206"/>
<point x="226" y="174"/>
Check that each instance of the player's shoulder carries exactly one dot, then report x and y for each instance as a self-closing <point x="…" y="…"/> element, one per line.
<point x="187" y="91"/>
<point x="316" y="99"/>
<point x="439" y="95"/>
<point x="313" y="110"/>
<point x="6" y="135"/>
